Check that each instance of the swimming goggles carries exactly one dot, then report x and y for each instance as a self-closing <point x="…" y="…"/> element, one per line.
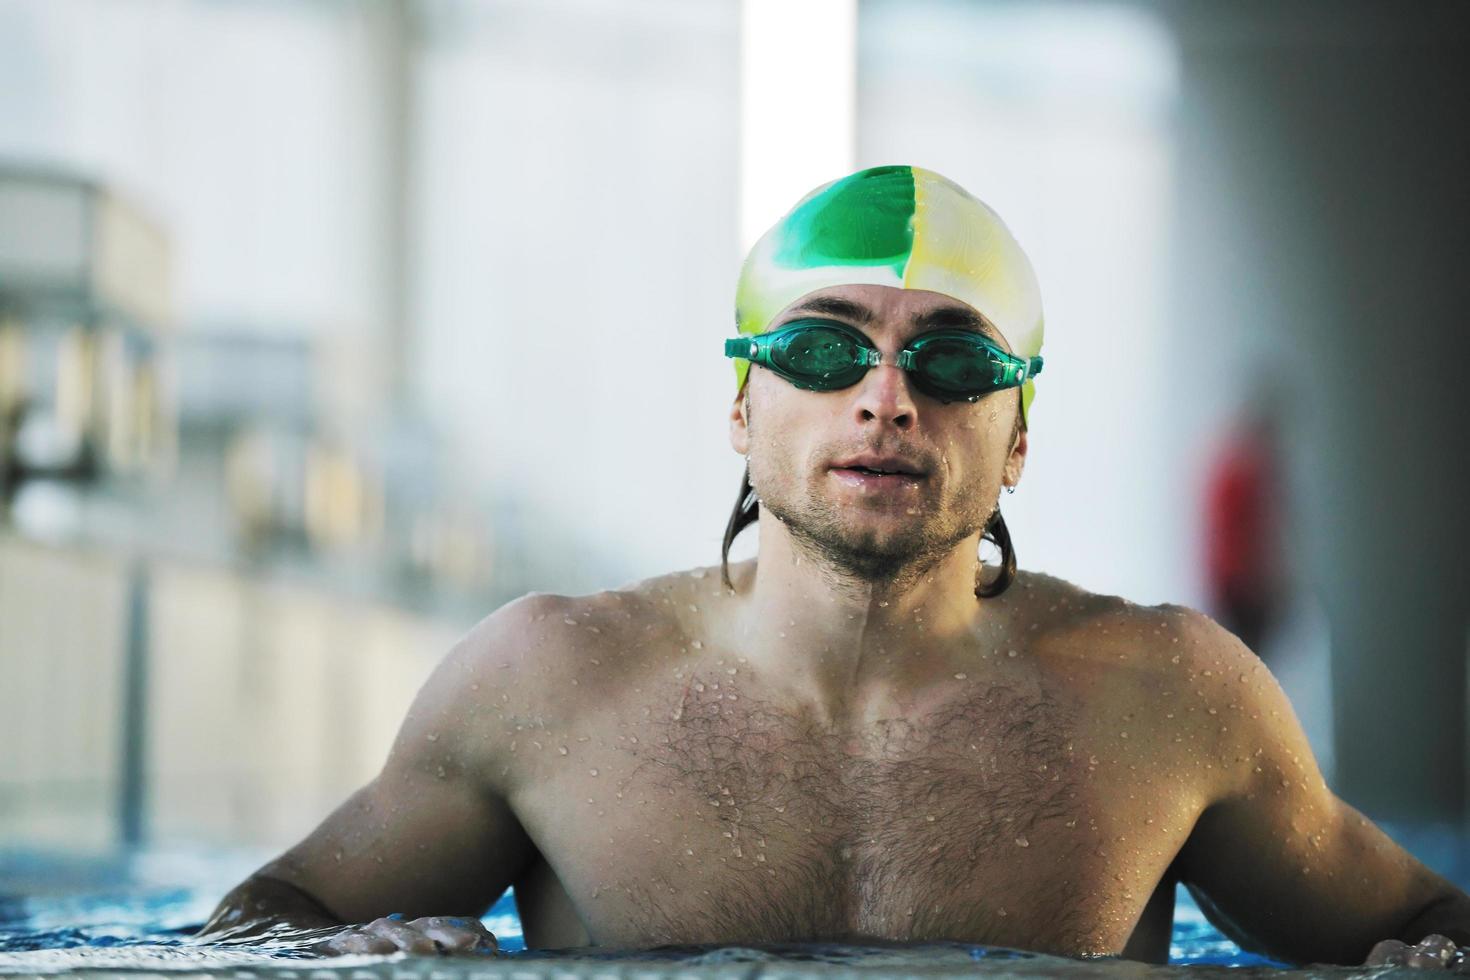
<point x="826" y="355"/>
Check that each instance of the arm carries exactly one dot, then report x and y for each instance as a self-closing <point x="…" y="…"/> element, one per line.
<point x="1278" y="862"/>
<point x="431" y="835"/>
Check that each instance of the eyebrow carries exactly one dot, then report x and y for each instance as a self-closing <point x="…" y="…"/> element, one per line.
<point x="954" y="317"/>
<point x="944" y="317"/>
<point x="833" y="306"/>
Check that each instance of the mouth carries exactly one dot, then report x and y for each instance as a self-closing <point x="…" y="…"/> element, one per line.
<point x="874" y="473"/>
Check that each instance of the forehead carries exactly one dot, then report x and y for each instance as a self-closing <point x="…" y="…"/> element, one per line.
<point x="881" y="310"/>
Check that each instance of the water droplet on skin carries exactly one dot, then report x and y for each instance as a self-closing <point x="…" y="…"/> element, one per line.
<point x="441" y="773"/>
<point x="562" y="749"/>
<point x="1022" y="842"/>
<point x="591" y="772"/>
<point x="1013" y="653"/>
<point x="433" y="737"/>
<point x="570" y="621"/>
<point x="697" y="645"/>
<point x="960" y="677"/>
<point x="693" y="608"/>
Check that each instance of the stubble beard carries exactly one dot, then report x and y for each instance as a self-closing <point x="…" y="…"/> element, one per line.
<point x="892" y="559"/>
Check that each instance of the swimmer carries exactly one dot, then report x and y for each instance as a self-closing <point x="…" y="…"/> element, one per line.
<point x="865" y="733"/>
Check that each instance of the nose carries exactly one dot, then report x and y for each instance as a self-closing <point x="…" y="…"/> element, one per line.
<point x="884" y="395"/>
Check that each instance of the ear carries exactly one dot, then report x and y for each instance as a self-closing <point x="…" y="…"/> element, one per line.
<point x="1016" y="461"/>
<point x="740" y="419"/>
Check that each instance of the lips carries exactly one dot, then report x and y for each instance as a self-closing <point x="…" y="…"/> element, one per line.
<point x="879" y="465"/>
<point x="876" y="476"/>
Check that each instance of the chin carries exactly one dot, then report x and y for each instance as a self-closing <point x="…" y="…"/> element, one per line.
<point x="861" y="545"/>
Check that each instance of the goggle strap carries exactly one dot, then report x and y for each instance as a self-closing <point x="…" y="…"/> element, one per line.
<point x="741" y="347"/>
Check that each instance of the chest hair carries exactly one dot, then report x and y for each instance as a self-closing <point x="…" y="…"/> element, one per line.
<point x="904" y="828"/>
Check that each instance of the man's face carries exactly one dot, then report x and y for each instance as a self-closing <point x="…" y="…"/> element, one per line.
<point x="812" y="453"/>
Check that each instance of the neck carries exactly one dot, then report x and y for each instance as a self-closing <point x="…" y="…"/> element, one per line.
<point x="820" y="625"/>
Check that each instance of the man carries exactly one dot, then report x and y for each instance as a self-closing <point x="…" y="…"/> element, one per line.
<point x="863" y="733"/>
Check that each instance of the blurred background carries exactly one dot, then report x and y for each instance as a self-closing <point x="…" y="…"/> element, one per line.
<point x="313" y="321"/>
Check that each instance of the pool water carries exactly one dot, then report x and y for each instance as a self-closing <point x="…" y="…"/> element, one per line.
<point x="139" y="912"/>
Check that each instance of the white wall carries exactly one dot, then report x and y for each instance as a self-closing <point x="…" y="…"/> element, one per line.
<point x="246" y="128"/>
<point x="576" y="253"/>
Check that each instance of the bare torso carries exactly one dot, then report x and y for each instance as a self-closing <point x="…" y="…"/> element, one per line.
<point x="858" y="749"/>
<point x="1029" y="787"/>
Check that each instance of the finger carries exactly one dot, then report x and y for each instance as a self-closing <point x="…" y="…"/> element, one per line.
<point x="1432" y="952"/>
<point x="456" y="934"/>
<point x="1421" y="960"/>
<point x="1389" y="951"/>
<point x="355" y="940"/>
<point x="1442" y="946"/>
<point x="403" y="936"/>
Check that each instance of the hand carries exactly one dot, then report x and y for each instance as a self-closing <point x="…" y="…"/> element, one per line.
<point x="1433" y="951"/>
<point x="430" y="935"/>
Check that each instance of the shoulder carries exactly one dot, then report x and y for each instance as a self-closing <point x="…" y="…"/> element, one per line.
<point x="1162" y="642"/>
<point x="542" y="661"/>
<point x="1172" y="667"/>
<point x="546" y="641"/>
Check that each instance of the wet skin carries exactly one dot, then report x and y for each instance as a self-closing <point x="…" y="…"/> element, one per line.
<point x="813" y="755"/>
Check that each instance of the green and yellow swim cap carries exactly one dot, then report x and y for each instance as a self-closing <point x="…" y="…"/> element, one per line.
<point x="894" y="226"/>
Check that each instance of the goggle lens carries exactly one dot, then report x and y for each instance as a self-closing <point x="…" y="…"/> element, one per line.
<point x="820" y="356"/>
<point x="955" y="367"/>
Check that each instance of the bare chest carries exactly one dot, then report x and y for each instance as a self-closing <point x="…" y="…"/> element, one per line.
<point x="710" y="814"/>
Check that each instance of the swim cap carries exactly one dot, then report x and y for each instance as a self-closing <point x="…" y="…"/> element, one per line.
<point x="894" y="226"/>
